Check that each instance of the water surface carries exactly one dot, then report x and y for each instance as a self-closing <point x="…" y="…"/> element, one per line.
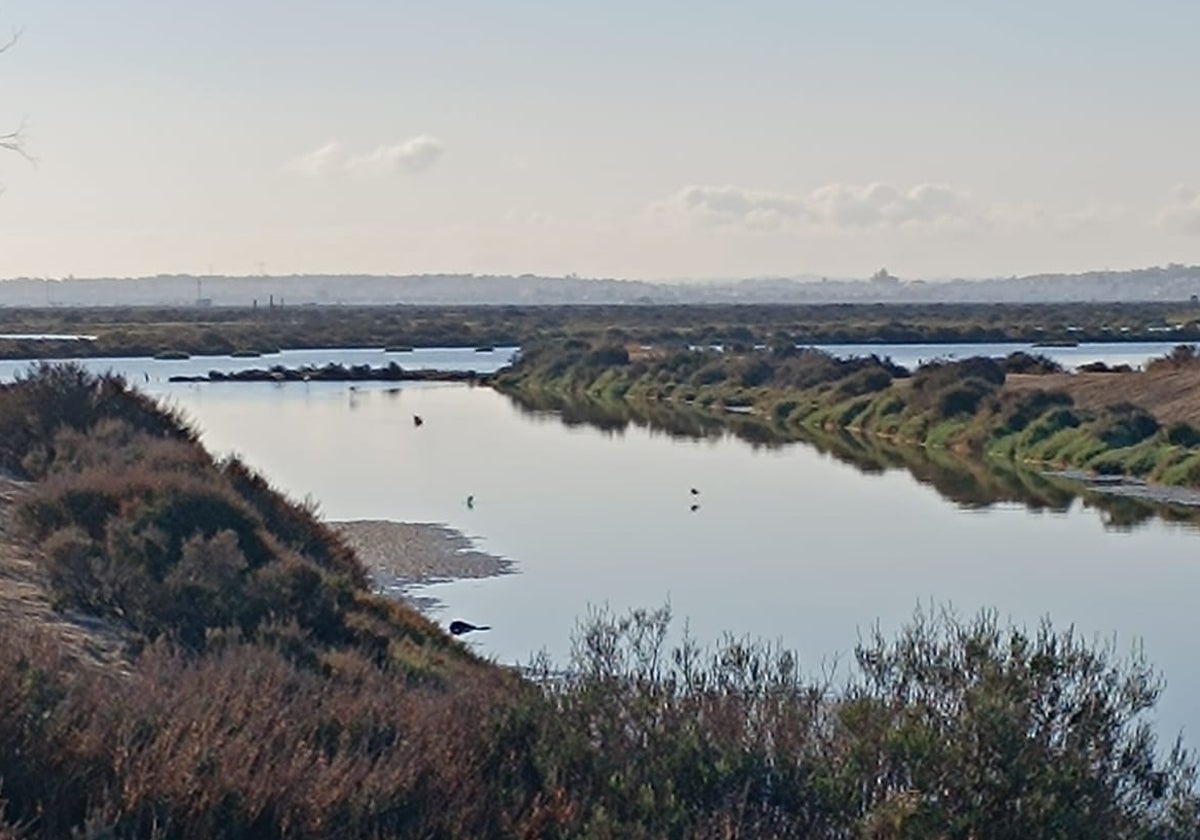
<point x="808" y="544"/>
<point x="1133" y="353"/>
<point x="789" y="543"/>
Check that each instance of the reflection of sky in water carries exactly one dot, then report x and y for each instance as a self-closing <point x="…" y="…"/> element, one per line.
<point x="156" y="371"/>
<point x="788" y="543"/>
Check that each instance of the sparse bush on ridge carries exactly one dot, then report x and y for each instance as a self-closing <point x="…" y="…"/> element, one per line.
<point x="1183" y="355"/>
<point x="1030" y="363"/>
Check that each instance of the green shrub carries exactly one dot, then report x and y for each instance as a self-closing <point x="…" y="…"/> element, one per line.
<point x="962" y="397"/>
<point x="1123" y="424"/>
<point x="1031" y="363"/>
<point x="865" y="381"/>
<point x="1183" y="434"/>
<point x="1016" y="411"/>
<point x="1047" y="425"/>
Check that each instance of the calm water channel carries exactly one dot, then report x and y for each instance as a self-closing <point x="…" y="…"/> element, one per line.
<point x="789" y="543"/>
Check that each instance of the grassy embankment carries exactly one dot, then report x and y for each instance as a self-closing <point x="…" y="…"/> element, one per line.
<point x="980" y="406"/>
<point x="250" y="685"/>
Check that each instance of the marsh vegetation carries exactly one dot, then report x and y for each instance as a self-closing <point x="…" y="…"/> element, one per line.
<point x="980" y="405"/>
<point x="261" y="690"/>
<point x="133" y="331"/>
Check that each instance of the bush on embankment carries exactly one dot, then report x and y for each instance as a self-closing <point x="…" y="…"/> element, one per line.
<point x="958" y="404"/>
<point x="140" y="526"/>
<point x="955" y="728"/>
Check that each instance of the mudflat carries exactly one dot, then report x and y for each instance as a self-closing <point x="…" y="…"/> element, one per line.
<point x="403" y="554"/>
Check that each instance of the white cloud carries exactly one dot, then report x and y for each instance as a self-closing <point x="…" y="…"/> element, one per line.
<point x="317" y="162"/>
<point x="835" y="206"/>
<point x="1182" y="214"/>
<point x="413" y="155"/>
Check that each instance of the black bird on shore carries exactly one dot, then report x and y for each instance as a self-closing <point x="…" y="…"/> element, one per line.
<point x="457" y="627"/>
<point x="417" y="421"/>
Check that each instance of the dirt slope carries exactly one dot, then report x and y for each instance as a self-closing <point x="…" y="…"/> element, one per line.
<point x="25" y="596"/>
<point x="1171" y="394"/>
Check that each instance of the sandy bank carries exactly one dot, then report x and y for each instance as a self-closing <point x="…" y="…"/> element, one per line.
<point x="1134" y="488"/>
<point x="403" y="555"/>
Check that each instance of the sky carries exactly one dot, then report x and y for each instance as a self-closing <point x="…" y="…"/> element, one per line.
<point x="651" y="139"/>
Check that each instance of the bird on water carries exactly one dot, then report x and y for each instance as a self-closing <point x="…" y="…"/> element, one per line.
<point x="695" y="492"/>
<point x="471" y="502"/>
<point x="417" y="421"/>
<point x="457" y="627"/>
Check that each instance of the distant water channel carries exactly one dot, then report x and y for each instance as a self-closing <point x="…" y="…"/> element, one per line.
<point x="807" y="544"/>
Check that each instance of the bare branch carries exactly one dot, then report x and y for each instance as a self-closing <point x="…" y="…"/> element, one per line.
<point x="12" y="39"/>
<point x="14" y="141"/>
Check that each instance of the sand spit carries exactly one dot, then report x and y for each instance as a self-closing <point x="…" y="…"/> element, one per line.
<point x="1134" y="488"/>
<point x="403" y="555"/>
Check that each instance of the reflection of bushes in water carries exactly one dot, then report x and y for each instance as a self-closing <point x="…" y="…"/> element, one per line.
<point x="1121" y="513"/>
<point x="981" y="483"/>
<point x="755" y="431"/>
<point x="858" y="451"/>
<point x="976" y="482"/>
<point x="615" y="416"/>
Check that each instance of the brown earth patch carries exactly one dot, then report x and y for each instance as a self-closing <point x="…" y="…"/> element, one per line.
<point x="1172" y="395"/>
<point x="26" y="601"/>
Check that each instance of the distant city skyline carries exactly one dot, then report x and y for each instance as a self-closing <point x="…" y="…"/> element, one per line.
<point x="645" y="140"/>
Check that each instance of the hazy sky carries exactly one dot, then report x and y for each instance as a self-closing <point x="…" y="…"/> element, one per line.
<point x="630" y="139"/>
